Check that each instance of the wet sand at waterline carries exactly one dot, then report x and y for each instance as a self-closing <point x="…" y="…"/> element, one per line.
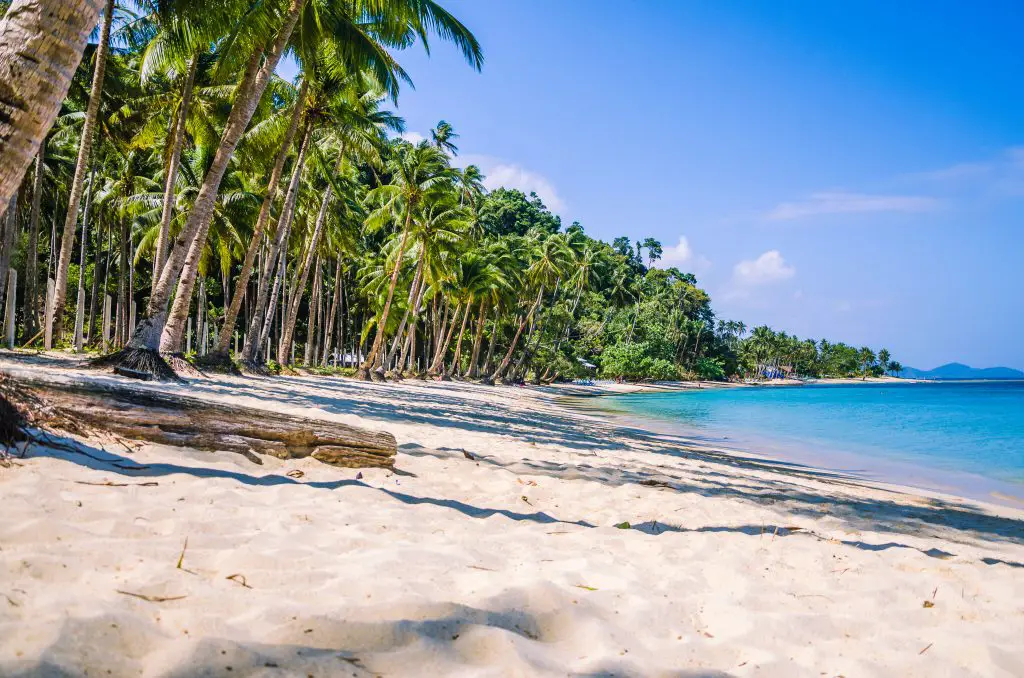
<point x="499" y="546"/>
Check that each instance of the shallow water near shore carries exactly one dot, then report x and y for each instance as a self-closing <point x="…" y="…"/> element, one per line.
<point x="965" y="437"/>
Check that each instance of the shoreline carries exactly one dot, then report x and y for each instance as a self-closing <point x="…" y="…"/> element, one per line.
<point x="514" y="536"/>
<point x="889" y="473"/>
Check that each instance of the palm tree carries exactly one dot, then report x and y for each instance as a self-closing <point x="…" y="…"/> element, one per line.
<point x="415" y="170"/>
<point x="443" y="137"/>
<point x="81" y="168"/>
<point x="41" y="45"/>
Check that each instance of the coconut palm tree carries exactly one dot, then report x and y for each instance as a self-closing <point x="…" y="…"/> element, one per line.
<point x="81" y="169"/>
<point x="41" y="45"/>
<point x="416" y="171"/>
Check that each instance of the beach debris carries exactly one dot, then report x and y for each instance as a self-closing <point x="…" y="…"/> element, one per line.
<point x="525" y="499"/>
<point x="295" y="473"/>
<point x="928" y="603"/>
<point x="238" y="579"/>
<point x="39" y="403"/>
<point x="181" y="558"/>
<point x="359" y="476"/>
<point x="150" y="599"/>
<point x="150" y="483"/>
<point x="481" y="567"/>
<point x="624" y="525"/>
<point x="468" y="455"/>
<point x="526" y="482"/>
<point x="926" y="648"/>
<point x="585" y="587"/>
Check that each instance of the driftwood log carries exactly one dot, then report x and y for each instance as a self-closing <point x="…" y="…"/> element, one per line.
<point x="171" y="419"/>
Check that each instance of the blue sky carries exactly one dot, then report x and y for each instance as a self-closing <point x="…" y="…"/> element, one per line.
<point x="852" y="171"/>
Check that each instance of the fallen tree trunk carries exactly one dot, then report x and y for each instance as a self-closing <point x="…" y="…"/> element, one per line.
<point x="171" y="419"/>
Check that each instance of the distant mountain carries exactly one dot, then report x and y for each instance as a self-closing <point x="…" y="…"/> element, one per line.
<point x="961" y="371"/>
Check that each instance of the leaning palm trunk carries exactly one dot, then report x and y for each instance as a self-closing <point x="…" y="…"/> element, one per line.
<point x="378" y="340"/>
<point x="148" y="336"/>
<point x="253" y="342"/>
<point x="491" y="344"/>
<point x="414" y="291"/>
<point x="31" y="272"/>
<point x="456" y="359"/>
<point x="67" y="242"/>
<point x="477" y="339"/>
<point x="332" y="318"/>
<point x="438" y="362"/>
<point x="41" y="45"/>
<point x="202" y="212"/>
<point x="173" y="164"/>
<point x="302" y="275"/>
<point x="511" y="349"/>
<point x="314" y="314"/>
<point x="231" y="314"/>
<point x="409" y="347"/>
<point x="279" y="282"/>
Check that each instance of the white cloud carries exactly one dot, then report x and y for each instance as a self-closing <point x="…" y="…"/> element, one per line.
<point x="510" y="175"/>
<point x="840" y="202"/>
<point x="412" y="137"/>
<point x="676" y="255"/>
<point x="768" y="268"/>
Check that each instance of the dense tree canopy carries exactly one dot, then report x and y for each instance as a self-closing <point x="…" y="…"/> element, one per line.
<point x="190" y="200"/>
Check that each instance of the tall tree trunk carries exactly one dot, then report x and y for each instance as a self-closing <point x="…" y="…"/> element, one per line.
<point x="253" y="343"/>
<point x="173" y="163"/>
<point x="31" y="265"/>
<point x="438" y="362"/>
<point x="364" y="369"/>
<point x="314" y="311"/>
<point x="41" y="45"/>
<point x="493" y="342"/>
<point x="410" y="341"/>
<point x="80" y="303"/>
<point x="148" y="335"/>
<point x="231" y="314"/>
<point x="302" y="274"/>
<point x="67" y="242"/>
<point x="511" y="349"/>
<point x="8" y="238"/>
<point x="458" y="344"/>
<point x="95" y="284"/>
<point x="332" y="319"/>
<point x="280" y="280"/>
<point x="477" y="339"/>
<point x="414" y="290"/>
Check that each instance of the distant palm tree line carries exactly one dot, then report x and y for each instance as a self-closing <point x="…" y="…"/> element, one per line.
<point x="190" y="205"/>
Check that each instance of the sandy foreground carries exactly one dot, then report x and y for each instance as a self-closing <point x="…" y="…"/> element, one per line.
<point x="507" y="564"/>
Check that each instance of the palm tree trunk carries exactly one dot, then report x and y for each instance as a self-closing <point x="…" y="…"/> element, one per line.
<point x="95" y="284"/>
<point x="181" y="265"/>
<point x="492" y="343"/>
<point x="511" y="349"/>
<point x="332" y="314"/>
<point x="364" y="369"/>
<point x="527" y="350"/>
<point x="438" y="362"/>
<point x="231" y="314"/>
<point x="302" y="275"/>
<point x="41" y="45"/>
<point x="414" y="290"/>
<point x="314" y="314"/>
<point x="8" y="238"/>
<point x="253" y="343"/>
<point x="477" y="339"/>
<point x="279" y="283"/>
<point x="67" y="242"/>
<point x="80" y="304"/>
<point x="173" y="163"/>
<point x="458" y="344"/>
<point x="409" y="347"/>
<point x="31" y="270"/>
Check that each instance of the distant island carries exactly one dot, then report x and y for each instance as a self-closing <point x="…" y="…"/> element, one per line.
<point x="961" y="371"/>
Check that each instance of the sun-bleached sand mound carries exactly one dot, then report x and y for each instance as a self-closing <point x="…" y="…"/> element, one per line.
<point x="515" y="538"/>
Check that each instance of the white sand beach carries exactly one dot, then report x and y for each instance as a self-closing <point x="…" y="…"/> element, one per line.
<point x="491" y="550"/>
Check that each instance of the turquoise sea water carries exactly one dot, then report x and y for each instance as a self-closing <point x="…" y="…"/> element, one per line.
<point x="950" y="434"/>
